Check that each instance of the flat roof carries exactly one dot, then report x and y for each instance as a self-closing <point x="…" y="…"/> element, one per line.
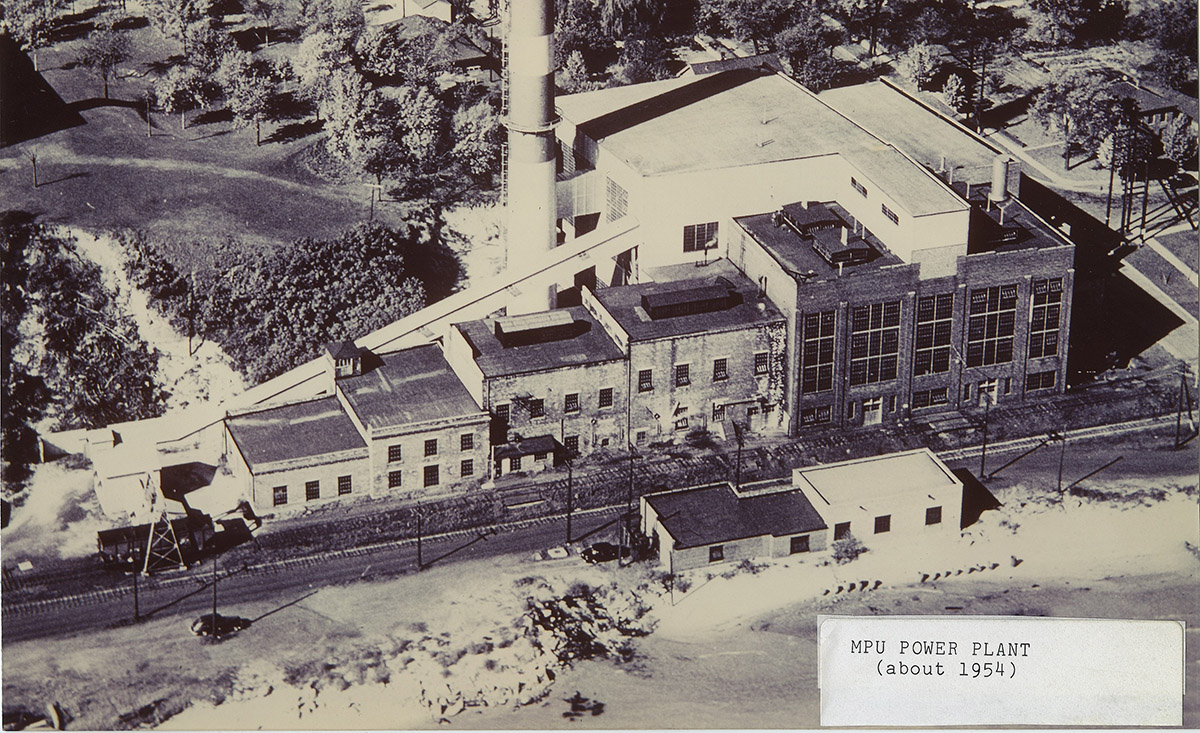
<point x="301" y="430"/>
<point x="906" y="123"/>
<point x="590" y="345"/>
<point x="406" y="387"/>
<point x="795" y="253"/>
<point x="736" y="118"/>
<point x="866" y="479"/>
<point x="713" y="514"/>
<point x="1021" y="229"/>
<point x="624" y="303"/>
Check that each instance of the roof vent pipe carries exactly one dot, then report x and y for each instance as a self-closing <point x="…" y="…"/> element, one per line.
<point x="999" y="190"/>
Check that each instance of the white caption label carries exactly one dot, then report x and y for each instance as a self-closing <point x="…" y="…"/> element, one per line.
<point x="987" y="670"/>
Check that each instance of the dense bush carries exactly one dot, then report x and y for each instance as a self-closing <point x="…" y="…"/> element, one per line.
<point x="273" y="310"/>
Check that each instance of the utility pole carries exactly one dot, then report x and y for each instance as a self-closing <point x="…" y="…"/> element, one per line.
<point x="570" y="496"/>
<point x="987" y="401"/>
<point x="137" y="616"/>
<point x="420" y="528"/>
<point x="741" y="440"/>
<point x="216" y="630"/>
<point x="1062" y="456"/>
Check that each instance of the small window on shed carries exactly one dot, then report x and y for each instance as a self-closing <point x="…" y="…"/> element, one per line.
<point x="799" y="544"/>
<point x="716" y="553"/>
<point x="883" y="524"/>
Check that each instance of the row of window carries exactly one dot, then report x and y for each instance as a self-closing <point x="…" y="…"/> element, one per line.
<point x="466" y="442"/>
<point x="797" y="545"/>
<point x="312" y="490"/>
<point x="720" y="372"/>
<point x="883" y="523"/>
<point x="431" y="475"/>
<point x="875" y="334"/>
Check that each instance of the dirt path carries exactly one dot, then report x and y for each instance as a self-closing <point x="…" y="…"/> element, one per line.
<point x="190" y="372"/>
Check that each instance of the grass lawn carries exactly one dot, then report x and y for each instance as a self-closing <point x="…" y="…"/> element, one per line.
<point x="191" y="187"/>
<point x="1183" y="245"/>
<point x="1166" y="276"/>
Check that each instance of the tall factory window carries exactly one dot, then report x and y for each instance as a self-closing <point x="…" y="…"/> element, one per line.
<point x="502" y="413"/>
<point x="345" y="485"/>
<point x="571" y="402"/>
<point x="431" y="475"/>
<point x="699" y="237"/>
<point x="618" y="200"/>
<point x="720" y="370"/>
<point x="874" y="342"/>
<point x="930" y="397"/>
<point x="818" y="352"/>
<point x="645" y="380"/>
<point x="466" y="441"/>
<point x="431" y="447"/>
<point x="537" y="408"/>
<point x="990" y="328"/>
<point x="683" y="375"/>
<point x="395" y="453"/>
<point x="816" y="415"/>
<point x="395" y="479"/>
<point x="466" y="468"/>
<point x="1043" y="325"/>
<point x="279" y="496"/>
<point x="312" y="490"/>
<point x="935" y="318"/>
<point x="606" y="397"/>
<point x="571" y="443"/>
<point x="762" y="362"/>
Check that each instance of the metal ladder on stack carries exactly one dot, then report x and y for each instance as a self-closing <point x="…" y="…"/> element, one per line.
<point x="503" y="12"/>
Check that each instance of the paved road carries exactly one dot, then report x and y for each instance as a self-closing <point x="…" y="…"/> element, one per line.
<point x="188" y="595"/>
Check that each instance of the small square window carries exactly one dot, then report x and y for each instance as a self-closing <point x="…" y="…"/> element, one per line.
<point x="716" y="553"/>
<point x="799" y="544"/>
<point x="762" y="362"/>
<point x="537" y="408"/>
<point x="395" y="478"/>
<point x="279" y="496"/>
<point x="431" y="447"/>
<point x="502" y="414"/>
<point x="883" y="524"/>
<point x="466" y="441"/>
<point x="933" y="515"/>
<point x="345" y="485"/>
<point x="431" y="476"/>
<point x="395" y="453"/>
<point x="683" y="375"/>
<point x="840" y="530"/>
<point x="571" y="403"/>
<point x="514" y="463"/>
<point x="718" y="413"/>
<point x="466" y="468"/>
<point x="312" y="490"/>
<point x="645" y="380"/>
<point x="640" y="437"/>
<point x="720" y="370"/>
<point x="571" y="442"/>
<point x="606" y="397"/>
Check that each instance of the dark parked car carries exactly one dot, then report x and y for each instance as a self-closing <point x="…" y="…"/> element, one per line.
<point x="226" y="625"/>
<point x="603" y="552"/>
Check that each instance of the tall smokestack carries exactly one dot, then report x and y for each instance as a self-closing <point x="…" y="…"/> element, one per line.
<point x="532" y="208"/>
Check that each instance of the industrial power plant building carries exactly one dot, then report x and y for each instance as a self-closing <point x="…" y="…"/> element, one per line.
<point x="721" y="251"/>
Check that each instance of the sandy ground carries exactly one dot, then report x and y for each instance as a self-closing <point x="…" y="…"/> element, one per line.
<point x="749" y="637"/>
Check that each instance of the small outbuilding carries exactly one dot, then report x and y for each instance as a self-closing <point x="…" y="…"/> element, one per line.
<point x="692" y="528"/>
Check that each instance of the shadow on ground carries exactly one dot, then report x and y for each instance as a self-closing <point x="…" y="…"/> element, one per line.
<point x="31" y="107"/>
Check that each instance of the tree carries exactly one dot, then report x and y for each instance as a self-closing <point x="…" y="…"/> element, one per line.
<point x="806" y="49"/>
<point x="207" y="46"/>
<point x="1179" y="141"/>
<point x="573" y="76"/>
<point x="249" y="90"/>
<point x="954" y="93"/>
<point x="580" y="28"/>
<point x="173" y="18"/>
<point x="478" y="137"/>
<point x="1078" y="106"/>
<point x="313" y="65"/>
<point x="864" y="18"/>
<point x="103" y="50"/>
<point x="351" y="109"/>
<point x="264" y="10"/>
<point x="642" y="59"/>
<point x="420" y="126"/>
<point x="31" y="22"/>
<point x="180" y="90"/>
<point x="917" y="64"/>
<point x="1063" y="22"/>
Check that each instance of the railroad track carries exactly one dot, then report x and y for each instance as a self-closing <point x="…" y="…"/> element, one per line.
<point x="1100" y="431"/>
